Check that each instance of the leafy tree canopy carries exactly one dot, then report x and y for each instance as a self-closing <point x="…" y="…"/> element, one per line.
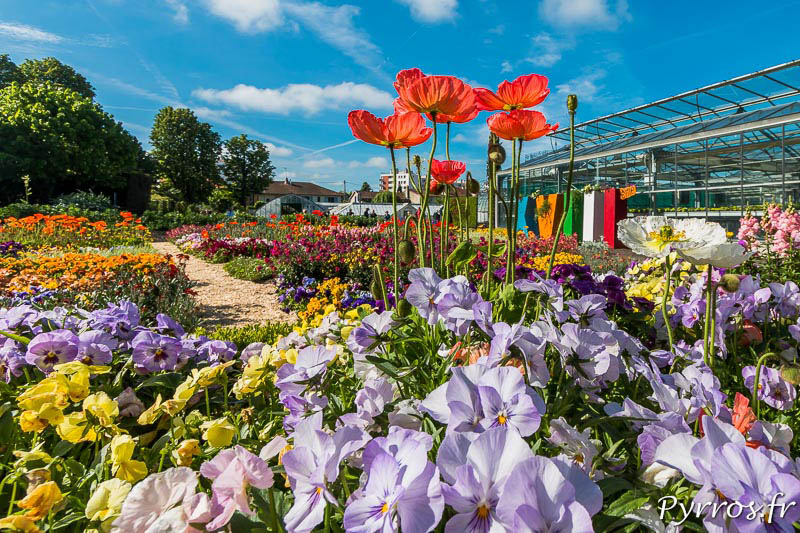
<point x="9" y="71"/>
<point x="62" y="140"/>
<point x="365" y="187"/>
<point x="246" y="167"/>
<point x="50" y="69"/>
<point x="383" y="197"/>
<point x="186" y="152"/>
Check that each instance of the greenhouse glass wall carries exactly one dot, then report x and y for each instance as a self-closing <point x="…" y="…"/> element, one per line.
<point x="713" y="152"/>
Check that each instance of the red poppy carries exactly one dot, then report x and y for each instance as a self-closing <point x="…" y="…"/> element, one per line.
<point x="316" y="212"/>
<point x="273" y="216"/>
<point x="520" y="124"/>
<point x="433" y="94"/>
<point x="743" y="417"/>
<point x="523" y="92"/>
<point x="395" y="131"/>
<point x="436" y="188"/>
<point x="447" y="171"/>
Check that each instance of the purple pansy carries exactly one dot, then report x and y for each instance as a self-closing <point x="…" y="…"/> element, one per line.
<point x="52" y="348"/>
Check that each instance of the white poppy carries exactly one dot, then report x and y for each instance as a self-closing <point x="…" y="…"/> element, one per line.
<point x="658" y="236"/>
<point x="725" y="255"/>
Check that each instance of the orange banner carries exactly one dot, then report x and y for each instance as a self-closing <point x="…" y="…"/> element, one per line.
<point x="627" y="192"/>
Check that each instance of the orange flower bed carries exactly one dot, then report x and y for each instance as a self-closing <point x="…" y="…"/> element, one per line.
<point x="73" y="271"/>
<point x="67" y="231"/>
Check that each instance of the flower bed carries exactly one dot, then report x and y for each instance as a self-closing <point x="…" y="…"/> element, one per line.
<point x="66" y="231"/>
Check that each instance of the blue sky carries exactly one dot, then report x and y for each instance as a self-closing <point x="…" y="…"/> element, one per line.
<point x="288" y="71"/>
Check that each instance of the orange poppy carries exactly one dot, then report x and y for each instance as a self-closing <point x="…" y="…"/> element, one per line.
<point x="520" y="124"/>
<point x="523" y="92"/>
<point x="395" y="131"/>
<point x="434" y="94"/>
<point x="447" y="171"/>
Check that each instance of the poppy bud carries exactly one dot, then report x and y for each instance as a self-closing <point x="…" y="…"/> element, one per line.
<point x="417" y="160"/>
<point x="730" y="282"/>
<point x="376" y="290"/>
<point x="436" y="187"/>
<point x="497" y="154"/>
<point x="406" y="251"/>
<point x="572" y="102"/>
<point x="403" y="308"/>
<point x="473" y="187"/>
<point x="791" y="373"/>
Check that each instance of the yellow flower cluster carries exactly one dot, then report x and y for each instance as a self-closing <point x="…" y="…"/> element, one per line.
<point x="562" y="258"/>
<point x="646" y="279"/>
<point x="328" y="299"/>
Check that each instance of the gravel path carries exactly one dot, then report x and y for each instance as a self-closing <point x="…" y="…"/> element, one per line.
<point x="226" y="301"/>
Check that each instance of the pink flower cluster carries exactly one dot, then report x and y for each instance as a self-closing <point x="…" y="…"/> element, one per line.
<point x="781" y="229"/>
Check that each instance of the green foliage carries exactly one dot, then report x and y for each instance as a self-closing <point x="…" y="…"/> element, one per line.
<point x="24" y="209"/>
<point x="244" y="335"/>
<point x="9" y="72"/>
<point x="246" y="166"/>
<point x="221" y="200"/>
<point x="51" y="70"/>
<point x="83" y="200"/>
<point x="186" y="152"/>
<point x="62" y="140"/>
<point x="383" y="197"/>
<point x="248" y="268"/>
<point x="365" y="187"/>
<point x="195" y="214"/>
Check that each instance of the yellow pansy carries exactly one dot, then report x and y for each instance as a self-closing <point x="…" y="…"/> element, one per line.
<point x="106" y="502"/>
<point x="75" y="428"/>
<point x="50" y="391"/>
<point x="185" y="453"/>
<point x="122" y="464"/>
<point x="253" y="375"/>
<point x="40" y="500"/>
<point x="151" y="414"/>
<point x="19" y="523"/>
<point x="47" y="414"/>
<point x="183" y="393"/>
<point x="219" y="433"/>
<point x="208" y="375"/>
<point x="102" y="407"/>
<point x="36" y="454"/>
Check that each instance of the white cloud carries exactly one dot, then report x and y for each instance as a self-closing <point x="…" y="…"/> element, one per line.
<point x="591" y="13"/>
<point x="476" y="136"/>
<point x="431" y="10"/>
<point x="547" y="50"/>
<point x="500" y="29"/>
<point x="506" y="66"/>
<point x="249" y="16"/>
<point x="28" y="33"/>
<point x="181" y="15"/>
<point x="335" y="26"/>
<point x="278" y="151"/>
<point x="304" y="97"/>
<point x="587" y="86"/>
<point x="372" y="162"/>
<point x="325" y="162"/>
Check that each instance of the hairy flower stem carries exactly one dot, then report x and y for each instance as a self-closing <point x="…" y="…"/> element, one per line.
<point x="428" y="182"/>
<point x="275" y="521"/>
<point x="511" y="218"/>
<point x="568" y="197"/>
<point x="709" y="318"/>
<point x="664" y="311"/>
<point x="396" y="277"/>
<point x="444" y="233"/>
<point x="756" y="383"/>
<point x="490" y="247"/>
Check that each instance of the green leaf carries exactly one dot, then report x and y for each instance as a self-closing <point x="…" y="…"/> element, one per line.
<point x="463" y="254"/>
<point x="612" y="485"/>
<point x="14" y="336"/>
<point x="62" y="448"/>
<point x="67" y="520"/>
<point x="384" y="365"/>
<point x="626" y="503"/>
<point x="170" y="380"/>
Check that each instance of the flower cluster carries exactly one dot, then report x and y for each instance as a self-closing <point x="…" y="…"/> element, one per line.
<point x="66" y="231"/>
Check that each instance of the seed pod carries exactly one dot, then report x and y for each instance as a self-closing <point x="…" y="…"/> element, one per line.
<point x="473" y="187"/>
<point x="376" y="290"/>
<point x="403" y="308"/>
<point x="791" y="373"/>
<point x="730" y="282"/>
<point x="497" y="154"/>
<point x="416" y="160"/>
<point x="572" y="102"/>
<point x="406" y="251"/>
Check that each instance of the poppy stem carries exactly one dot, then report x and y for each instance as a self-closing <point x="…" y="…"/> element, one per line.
<point x="394" y="227"/>
<point x="664" y="312"/>
<point x="756" y="383"/>
<point x="490" y="247"/>
<point x="568" y="198"/>
<point x="428" y="181"/>
<point x="447" y="143"/>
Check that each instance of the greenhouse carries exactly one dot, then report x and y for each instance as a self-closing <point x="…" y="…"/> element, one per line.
<point x="713" y="152"/>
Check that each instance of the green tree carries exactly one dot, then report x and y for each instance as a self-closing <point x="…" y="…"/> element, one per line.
<point x="383" y="197"/>
<point x="365" y="187"/>
<point x="9" y="72"/>
<point x="62" y="140"/>
<point x="50" y="69"/>
<point x="246" y="167"/>
<point x="186" y="152"/>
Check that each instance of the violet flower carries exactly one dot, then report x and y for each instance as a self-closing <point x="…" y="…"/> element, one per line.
<point x="46" y="350"/>
<point x="368" y="336"/>
<point x="96" y="347"/>
<point x="773" y="390"/>
<point x="422" y="292"/>
<point x="508" y="403"/>
<point x="454" y="302"/>
<point x="167" y="326"/>
<point x="153" y="352"/>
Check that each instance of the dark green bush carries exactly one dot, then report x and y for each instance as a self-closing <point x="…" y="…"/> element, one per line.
<point x="84" y="200"/>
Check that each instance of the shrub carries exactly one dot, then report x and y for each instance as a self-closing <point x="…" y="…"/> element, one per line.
<point x="244" y="335"/>
<point x="84" y="200"/>
<point x="248" y="268"/>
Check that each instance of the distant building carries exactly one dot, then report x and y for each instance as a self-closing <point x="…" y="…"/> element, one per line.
<point x="303" y="189"/>
<point x="368" y="196"/>
<point x="403" y="182"/>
